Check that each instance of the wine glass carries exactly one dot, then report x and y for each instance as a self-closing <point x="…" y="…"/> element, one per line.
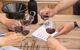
<point x="50" y="28"/>
<point x="45" y="19"/>
<point x="49" y="25"/>
<point x="24" y="28"/>
<point x="26" y="22"/>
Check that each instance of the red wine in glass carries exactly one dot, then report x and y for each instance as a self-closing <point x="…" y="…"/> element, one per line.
<point x="20" y="30"/>
<point x="50" y="30"/>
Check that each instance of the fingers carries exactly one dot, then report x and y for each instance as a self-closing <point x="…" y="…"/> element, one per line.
<point x="13" y="39"/>
<point x="52" y="43"/>
<point x="16" y="23"/>
<point x="9" y="33"/>
<point x="62" y="29"/>
<point x="16" y="39"/>
<point x="59" y="30"/>
<point x="14" y="34"/>
<point x="11" y="42"/>
<point x="44" y="12"/>
<point x="11" y="24"/>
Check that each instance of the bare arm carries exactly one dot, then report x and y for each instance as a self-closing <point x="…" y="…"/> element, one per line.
<point x="54" y="44"/>
<point x="64" y="4"/>
<point x="3" y="18"/>
<point x="11" y="38"/>
<point x="9" y="23"/>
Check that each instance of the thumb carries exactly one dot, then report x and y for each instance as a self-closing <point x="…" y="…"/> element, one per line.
<point x="59" y="30"/>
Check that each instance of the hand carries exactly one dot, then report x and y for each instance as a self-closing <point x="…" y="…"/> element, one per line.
<point x="11" y="23"/>
<point x="65" y="28"/>
<point x="9" y="33"/>
<point x="13" y="38"/>
<point x="53" y="43"/>
<point x="47" y="12"/>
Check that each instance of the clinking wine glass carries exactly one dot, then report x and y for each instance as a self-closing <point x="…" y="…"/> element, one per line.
<point x="25" y="24"/>
<point x="49" y="25"/>
<point x="50" y="28"/>
<point x="45" y="18"/>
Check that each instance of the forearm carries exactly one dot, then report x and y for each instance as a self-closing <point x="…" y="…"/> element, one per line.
<point x="3" y="18"/>
<point x="55" y="44"/>
<point x="58" y="46"/>
<point x="64" y="4"/>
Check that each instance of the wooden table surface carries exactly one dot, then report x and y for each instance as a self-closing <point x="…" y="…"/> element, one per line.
<point x="70" y="40"/>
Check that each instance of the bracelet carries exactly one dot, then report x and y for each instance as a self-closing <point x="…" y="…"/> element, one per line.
<point x="75" y="24"/>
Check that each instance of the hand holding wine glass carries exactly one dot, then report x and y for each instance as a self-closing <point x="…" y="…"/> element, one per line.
<point x="25" y="24"/>
<point x="49" y="25"/>
<point x="50" y="28"/>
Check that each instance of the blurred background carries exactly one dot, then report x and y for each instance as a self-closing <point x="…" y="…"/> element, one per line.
<point x="67" y="40"/>
<point x="41" y="4"/>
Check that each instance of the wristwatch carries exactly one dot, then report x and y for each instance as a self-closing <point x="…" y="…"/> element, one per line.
<point x="77" y="24"/>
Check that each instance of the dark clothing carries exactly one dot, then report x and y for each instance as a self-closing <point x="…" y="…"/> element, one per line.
<point x="76" y="8"/>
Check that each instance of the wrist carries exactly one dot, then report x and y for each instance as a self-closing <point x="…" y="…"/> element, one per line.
<point x="55" y="11"/>
<point x="3" y="21"/>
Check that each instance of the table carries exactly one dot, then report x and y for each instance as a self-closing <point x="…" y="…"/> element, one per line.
<point x="70" y="40"/>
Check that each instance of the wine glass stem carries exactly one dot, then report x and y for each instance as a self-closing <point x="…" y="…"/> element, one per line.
<point x="46" y="23"/>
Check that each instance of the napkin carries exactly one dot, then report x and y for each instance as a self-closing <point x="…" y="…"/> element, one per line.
<point x="41" y="33"/>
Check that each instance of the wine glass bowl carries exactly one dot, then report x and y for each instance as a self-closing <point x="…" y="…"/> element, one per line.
<point x="50" y="27"/>
<point x="50" y="30"/>
<point x="25" y="25"/>
<point x="20" y="29"/>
